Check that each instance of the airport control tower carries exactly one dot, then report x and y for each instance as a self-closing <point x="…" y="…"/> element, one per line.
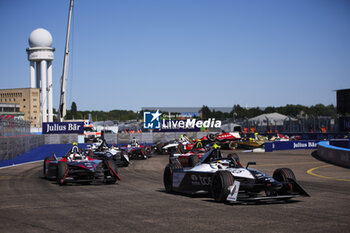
<point x="40" y="55"/>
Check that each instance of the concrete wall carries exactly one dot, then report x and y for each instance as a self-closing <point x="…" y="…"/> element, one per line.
<point x="60" y="138"/>
<point x="336" y="155"/>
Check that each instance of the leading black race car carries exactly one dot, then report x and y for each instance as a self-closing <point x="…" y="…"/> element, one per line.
<point x="228" y="181"/>
<point x="78" y="168"/>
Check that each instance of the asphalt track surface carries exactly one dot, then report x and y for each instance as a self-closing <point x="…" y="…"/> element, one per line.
<point x="138" y="203"/>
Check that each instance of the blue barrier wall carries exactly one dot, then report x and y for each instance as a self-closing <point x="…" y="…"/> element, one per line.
<point x="40" y="153"/>
<point x="344" y="143"/>
<point x="43" y="151"/>
<point x="290" y="145"/>
<point x="333" y="154"/>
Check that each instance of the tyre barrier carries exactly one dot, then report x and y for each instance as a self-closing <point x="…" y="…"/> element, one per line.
<point x="334" y="154"/>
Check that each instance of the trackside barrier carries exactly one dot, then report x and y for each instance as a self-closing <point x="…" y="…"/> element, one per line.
<point x="290" y="145"/>
<point x="333" y="154"/>
<point x="162" y="137"/>
<point x="345" y="143"/>
<point x="12" y="146"/>
<point x="39" y="153"/>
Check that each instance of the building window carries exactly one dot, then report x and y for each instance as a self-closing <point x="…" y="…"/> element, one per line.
<point x="24" y="99"/>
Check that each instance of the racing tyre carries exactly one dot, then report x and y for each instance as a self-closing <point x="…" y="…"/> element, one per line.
<point x="211" y="137"/>
<point x="149" y="151"/>
<point x="146" y="151"/>
<point x="219" y="187"/>
<point x="168" y="178"/>
<point x="45" y="167"/>
<point x="159" y="149"/>
<point x="111" y="175"/>
<point x="232" y="145"/>
<point x="286" y="177"/>
<point x="62" y="172"/>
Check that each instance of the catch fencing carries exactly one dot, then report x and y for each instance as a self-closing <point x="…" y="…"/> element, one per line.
<point x="313" y="124"/>
<point x="10" y="147"/>
<point x="15" y="137"/>
<point x="13" y="127"/>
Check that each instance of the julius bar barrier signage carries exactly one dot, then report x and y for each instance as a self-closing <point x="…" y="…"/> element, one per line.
<point x="63" y="127"/>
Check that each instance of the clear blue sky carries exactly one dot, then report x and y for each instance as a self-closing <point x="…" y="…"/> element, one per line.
<point x="134" y="53"/>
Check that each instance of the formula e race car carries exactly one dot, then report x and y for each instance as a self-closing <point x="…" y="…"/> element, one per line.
<point x="192" y="157"/>
<point x="251" y="143"/>
<point x="228" y="181"/>
<point x="103" y="151"/>
<point x="178" y="145"/>
<point x="75" y="167"/>
<point x="137" y="151"/>
<point x="224" y="139"/>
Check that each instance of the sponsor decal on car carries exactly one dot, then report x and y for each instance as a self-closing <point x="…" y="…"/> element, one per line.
<point x="200" y="180"/>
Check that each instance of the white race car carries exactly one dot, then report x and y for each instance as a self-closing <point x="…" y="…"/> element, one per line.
<point x="177" y="144"/>
<point x="228" y="181"/>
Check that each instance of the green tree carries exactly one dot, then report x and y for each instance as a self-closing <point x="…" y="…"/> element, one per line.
<point x="73" y="110"/>
<point x="206" y="113"/>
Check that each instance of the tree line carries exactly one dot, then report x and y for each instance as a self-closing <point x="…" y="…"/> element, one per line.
<point x="237" y="112"/>
<point x="291" y="110"/>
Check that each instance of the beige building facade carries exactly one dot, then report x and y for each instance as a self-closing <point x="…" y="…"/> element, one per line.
<point x="28" y="100"/>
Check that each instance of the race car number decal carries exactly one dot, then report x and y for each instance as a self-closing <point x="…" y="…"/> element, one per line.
<point x="233" y="191"/>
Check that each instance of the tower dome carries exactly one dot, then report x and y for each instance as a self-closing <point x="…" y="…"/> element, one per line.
<point x="40" y="38"/>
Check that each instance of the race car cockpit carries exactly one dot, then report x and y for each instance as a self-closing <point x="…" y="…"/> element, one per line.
<point x="214" y="155"/>
<point x="75" y="153"/>
<point x="103" y="146"/>
<point x="134" y="142"/>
